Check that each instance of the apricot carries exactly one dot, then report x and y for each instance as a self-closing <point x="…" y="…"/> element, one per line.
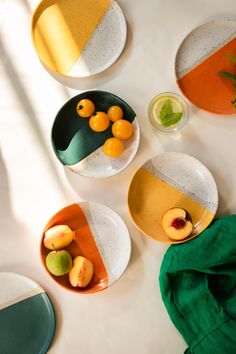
<point x="99" y="122"/>
<point x="113" y="147"/>
<point x="85" y="108"/>
<point x="115" y="113"/>
<point x="122" y="129"/>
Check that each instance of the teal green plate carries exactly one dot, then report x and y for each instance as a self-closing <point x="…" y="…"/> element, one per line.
<point x="27" y="319"/>
<point x="74" y="141"/>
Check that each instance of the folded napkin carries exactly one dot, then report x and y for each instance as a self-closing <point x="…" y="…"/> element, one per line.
<point x="198" y="287"/>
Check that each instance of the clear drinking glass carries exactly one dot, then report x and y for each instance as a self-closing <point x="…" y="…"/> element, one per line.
<point x="168" y="112"/>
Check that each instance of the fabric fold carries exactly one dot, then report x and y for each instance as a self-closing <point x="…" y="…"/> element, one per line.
<point x="198" y="287"/>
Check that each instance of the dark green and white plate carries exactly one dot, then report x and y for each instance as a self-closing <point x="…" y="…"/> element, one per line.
<point x="27" y="319"/>
<point x="80" y="149"/>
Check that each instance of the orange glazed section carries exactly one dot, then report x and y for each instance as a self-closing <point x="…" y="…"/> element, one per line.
<point x="83" y="245"/>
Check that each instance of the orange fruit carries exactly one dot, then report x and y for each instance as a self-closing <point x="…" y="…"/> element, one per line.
<point x="122" y="129"/>
<point x="113" y="147"/>
<point x="115" y="113"/>
<point x="99" y="122"/>
<point x="85" y="108"/>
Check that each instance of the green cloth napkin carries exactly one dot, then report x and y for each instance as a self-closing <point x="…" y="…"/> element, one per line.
<point x="198" y="287"/>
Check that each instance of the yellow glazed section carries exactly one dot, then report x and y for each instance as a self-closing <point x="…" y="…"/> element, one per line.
<point x="62" y="28"/>
<point x="149" y="197"/>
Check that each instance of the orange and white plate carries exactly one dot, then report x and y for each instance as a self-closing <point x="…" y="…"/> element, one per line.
<point x="101" y="236"/>
<point x="78" y="38"/>
<point x="170" y="180"/>
<point x="201" y="55"/>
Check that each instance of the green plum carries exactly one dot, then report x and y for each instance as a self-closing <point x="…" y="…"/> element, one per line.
<point x="59" y="262"/>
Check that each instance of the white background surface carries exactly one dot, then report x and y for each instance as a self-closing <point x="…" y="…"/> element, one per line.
<point x="128" y="318"/>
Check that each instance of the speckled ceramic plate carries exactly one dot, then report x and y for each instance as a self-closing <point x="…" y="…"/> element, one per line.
<point x="80" y="149"/>
<point x="202" y="54"/>
<point x="27" y="318"/>
<point x="101" y="236"/>
<point x="78" y="38"/>
<point x="170" y="180"/>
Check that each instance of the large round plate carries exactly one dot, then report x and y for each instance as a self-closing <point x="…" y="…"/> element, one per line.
<point x="101" y="236"/>
<point x="202" y="54"/>
<point x="78" y="38"/>
<point x="80" y="149"/>
<point x="27" y="318"/>
<point x="170" y="180"/>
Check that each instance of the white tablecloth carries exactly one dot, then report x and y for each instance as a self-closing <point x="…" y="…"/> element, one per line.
<point x="129" y="317"/>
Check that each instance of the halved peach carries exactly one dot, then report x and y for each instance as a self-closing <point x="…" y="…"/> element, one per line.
<point x="177" y="224"/>
<point x="81" y="272"/>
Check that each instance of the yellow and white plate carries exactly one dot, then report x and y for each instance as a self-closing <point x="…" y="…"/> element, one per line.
<point x="170" y="180"/>
<point x="78" y="38"/>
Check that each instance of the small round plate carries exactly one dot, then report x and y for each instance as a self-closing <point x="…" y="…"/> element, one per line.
<point x="170" y="180"/>
<point x="78" y="38"/>
<point x="80" y="149"/>
<point x="201" y="55"/>
<point x="101" y="236"/>
<point x="27" y="318"/>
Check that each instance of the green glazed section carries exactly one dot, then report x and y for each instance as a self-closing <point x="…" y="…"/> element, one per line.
<point x="27" y="326"/>
<point x="72" y="137"/>
<point x="198" y="287"/>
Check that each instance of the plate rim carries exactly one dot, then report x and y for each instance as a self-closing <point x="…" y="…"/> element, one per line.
<point x="170" y="242"/>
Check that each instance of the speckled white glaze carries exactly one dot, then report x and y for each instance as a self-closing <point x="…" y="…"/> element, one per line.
<point x="105" y="45"/>
<point x="98" y="165"/>
<point x="187" y="175"/>
<point x="201" y="43"/>
<point x="111" y="236"/>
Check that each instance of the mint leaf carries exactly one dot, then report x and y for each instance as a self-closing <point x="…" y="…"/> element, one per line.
<point x="167" y="116"/>
<point x="166" y="110"/>
<point x="172" y="119"/>
<point x="234" y="102"/>
<point x="227" y="75"/>
<point x="230" y="76"/>
<point x="232" y="58"/>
